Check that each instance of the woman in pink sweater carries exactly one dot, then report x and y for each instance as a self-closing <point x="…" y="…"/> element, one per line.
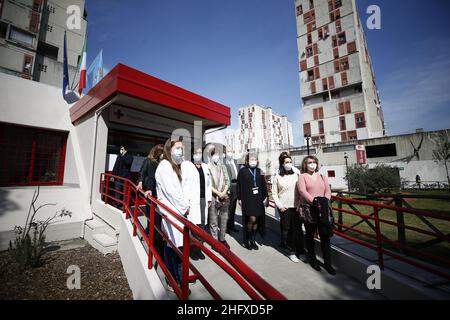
<point x="311" y="185"/>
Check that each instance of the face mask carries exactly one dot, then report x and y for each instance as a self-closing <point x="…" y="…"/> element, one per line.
<point x="312" y="166"/>
<point x="177" y="155"/>
<point x="253" y="164"/>
<point x="287" y="167"/>
<point x="198" y="158"/>
<point x="215" y="158"/>
<point x="230" y="155"/>
<point x="122" y="152"/>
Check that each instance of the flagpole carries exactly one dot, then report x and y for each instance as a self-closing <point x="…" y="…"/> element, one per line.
<point x="79" y="65"/>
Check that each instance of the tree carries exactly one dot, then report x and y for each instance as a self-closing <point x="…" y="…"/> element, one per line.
<point x="442" y="152"/>
<point x="380" y="178"/>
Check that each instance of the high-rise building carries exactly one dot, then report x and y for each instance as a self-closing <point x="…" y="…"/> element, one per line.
<point x="260" y="128"/>
<point x="338" y="90"/>
<point x="32" y="38"/>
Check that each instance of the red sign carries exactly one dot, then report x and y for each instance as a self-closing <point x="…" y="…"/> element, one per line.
<point x="361" y="154"/>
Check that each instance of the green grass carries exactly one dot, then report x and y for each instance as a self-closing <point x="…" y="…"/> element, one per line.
<point x="441" y="249"/>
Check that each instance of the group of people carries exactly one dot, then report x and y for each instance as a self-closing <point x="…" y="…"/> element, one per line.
<point x="206" y="190"/>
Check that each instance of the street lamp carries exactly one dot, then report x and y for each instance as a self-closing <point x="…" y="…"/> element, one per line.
<point x="346" y="170"/>
<point x="307" y="137"/>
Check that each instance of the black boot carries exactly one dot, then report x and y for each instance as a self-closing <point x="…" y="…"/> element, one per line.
<point x="247" y="244"/>
<point x="253" y="244"/>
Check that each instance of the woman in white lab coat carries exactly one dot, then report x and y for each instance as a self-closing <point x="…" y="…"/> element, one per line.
<point x="176" y="186"/>
<point x="205" y="194"/>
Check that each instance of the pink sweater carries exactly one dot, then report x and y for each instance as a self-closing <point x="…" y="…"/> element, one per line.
<point x="309" y="189"/>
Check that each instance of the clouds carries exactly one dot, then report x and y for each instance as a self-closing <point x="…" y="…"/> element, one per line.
<point x="416" y="94"/>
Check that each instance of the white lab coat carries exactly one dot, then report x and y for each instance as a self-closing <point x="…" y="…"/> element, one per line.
<point x="196" y="217"/>
<point x="191" y="190"/>
<point x="172" y="194"/>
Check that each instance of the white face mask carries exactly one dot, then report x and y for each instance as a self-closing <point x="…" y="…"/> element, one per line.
<point x="229" y="155"/>
<point x="177" y="155"/>
<point x="253" y="164"/>
<point x="215" y="158"/>
<point x="288" y="166"/>
<point x="122" y="151"/>
<point x="198" y="158"/>
<point x="312" y="166"/>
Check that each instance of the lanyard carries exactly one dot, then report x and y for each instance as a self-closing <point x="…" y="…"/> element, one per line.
<point x="254" y="176"/>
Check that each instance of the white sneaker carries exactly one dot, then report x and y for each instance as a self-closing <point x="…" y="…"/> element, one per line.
<point x="294" y="258"/>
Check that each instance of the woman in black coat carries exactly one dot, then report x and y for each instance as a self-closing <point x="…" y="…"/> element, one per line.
<point x="252" y="194"/>
<point x="147" y="183"/>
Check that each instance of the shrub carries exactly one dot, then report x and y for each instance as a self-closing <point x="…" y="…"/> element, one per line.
<point x="378" y="179"/>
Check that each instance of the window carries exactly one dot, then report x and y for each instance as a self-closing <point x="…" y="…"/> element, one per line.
<point x="338" y="26"/>
<point x="316" y="60"/>
<point x="325" y="84"/>
<point x="318" y="113"/>
<point x="311" y="26"/>
<point x="313" y="88"/>
<point x="3" y="27"/>
<point x="27" y="64"/>
<point x="307" y="129"/>
<point x="335" y="95"/>
<point x="31" y="156"/>
<point x="310" y="75"/>
<point x="37" y="5"/>
<point x="309" y="17"/>
<point x="331" y="82"/>
<point x="351" y="47"/>
<point x="336" y="53"/>
<point x="343" y="64"/>
<point x="331" y="174"/>
<point x="321" y="128"/>
<point x="360" y="120"/>
<point x="309" y="38"/>
<point x="335" y="15"/>
<point x="311" y="4"/>
<point x="309" y="51"/>
<point x="344" y="78"/>
<point x="380" y="151"/>
<point x="337" y="68"/>
<point x="303" y="65"/>
<point x="47" y="50"/>
<point x="345" y="108"/>
<point x="320" y="34"/>
<point x="352" y="135"/>
<point x="34" y="21"/>
<point x="299" y="10"/>
<point x="344" y="136"/>
<point x="316" y="73"/>
<point x="342" y="39"/>
<point x="21" y="37"/>
<point x="325" y="97"/>
<point x="334" y="41"/>
<point x="342" y="124"/>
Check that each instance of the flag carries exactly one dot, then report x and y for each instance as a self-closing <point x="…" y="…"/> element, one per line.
<point x="65" y="69"/>
<point x="96" y="69"/>
<point x="82" y="82"/>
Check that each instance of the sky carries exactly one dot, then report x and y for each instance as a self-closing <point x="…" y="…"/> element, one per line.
<point x="241" y="52"/>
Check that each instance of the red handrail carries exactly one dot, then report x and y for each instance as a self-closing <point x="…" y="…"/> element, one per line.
<point x="380" y="240"/>
<point x="255" y="286"/>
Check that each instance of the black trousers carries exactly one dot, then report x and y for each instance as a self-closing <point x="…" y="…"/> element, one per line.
<point x="232" y="206"/>
<point x="158" y="241"/>
<point x="325" y="243"/>
<point x="291" y="232"/>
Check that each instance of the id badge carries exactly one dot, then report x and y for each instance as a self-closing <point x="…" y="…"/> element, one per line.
<point x="255" y="190"/>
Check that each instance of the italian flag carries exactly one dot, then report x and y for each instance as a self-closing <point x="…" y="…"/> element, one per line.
<point x="82" y="82"/>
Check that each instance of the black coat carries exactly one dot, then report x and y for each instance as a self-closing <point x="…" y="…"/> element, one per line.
<point x="122" y="167"/>
<point x="147" y="175"/>
<point x="252" y="205"/>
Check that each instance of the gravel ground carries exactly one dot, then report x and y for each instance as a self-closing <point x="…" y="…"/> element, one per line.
<point x="102" y="277"/>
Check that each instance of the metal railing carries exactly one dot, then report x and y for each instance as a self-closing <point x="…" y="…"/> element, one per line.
<point x="132" y="200"/>
<point x="381" y="242"/>
<point x="375" y="221"/>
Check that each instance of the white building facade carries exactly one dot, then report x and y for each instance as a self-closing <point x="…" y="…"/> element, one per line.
<point x="338" y="90"/>
<point x="261" y="128"/>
